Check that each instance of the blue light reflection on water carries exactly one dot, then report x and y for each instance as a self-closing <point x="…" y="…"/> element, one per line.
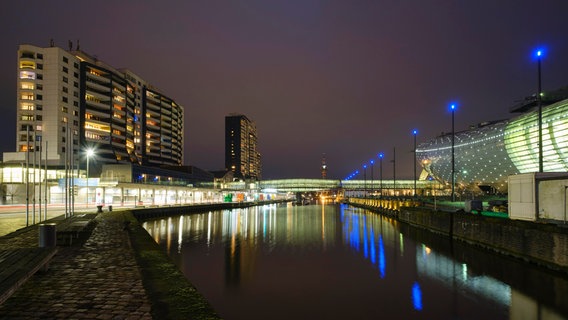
<point x="358" y="229"/>
<point x="382" y="259"/>
<point x="416" y="297"/>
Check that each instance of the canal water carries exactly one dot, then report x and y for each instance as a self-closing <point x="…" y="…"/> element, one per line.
<point x="341" y="262"/>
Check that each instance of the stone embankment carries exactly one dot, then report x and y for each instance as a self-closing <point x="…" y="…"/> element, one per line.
<point x="544" y="244"/>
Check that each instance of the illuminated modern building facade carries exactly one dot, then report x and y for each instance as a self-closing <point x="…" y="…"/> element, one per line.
<point x="241" y="147"/>
<point x="488" y="153"/>
<point x="68" y="101"/>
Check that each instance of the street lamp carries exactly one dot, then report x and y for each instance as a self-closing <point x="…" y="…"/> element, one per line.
<point x="372" y="163"/>
<point x="453" y="109"/>
<point x="394" y="171"/>
<point x="381" y="156"/>
<point x="365" y="178"/>
<point x="90" y="153"/>
<point x="539" y="53"/>
<point x="414" y="133"/>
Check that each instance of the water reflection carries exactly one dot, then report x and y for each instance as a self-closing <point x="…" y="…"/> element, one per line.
<point x="271" y="262"/>
<point x="455" y="275"/>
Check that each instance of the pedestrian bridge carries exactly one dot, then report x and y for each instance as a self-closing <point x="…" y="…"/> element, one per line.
<point x="308" y="185"/>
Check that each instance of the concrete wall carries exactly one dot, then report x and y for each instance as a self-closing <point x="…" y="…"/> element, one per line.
<point x="552" y="199"/>
<point x="544" y="244"/>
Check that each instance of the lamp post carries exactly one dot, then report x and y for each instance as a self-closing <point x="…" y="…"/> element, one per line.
<point x="539" y="54"/>
<point x="372" y="163"/>
<point x="90" y="153"/>
<point x="381" y="156"/>
<point x="453" y="108"/>
<point x="414" y="133"/>
<point x="365" y="179"/>
<point x="394" y="171"/>
<point x="356" y="174"/>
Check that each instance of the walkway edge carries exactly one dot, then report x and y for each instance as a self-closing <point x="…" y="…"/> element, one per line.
<point x="172" y="295"/>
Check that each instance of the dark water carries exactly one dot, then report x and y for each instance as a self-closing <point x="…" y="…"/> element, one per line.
<point x="340" y="262"/>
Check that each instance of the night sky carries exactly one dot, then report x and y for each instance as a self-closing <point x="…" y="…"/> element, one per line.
<point x="345" y="78"/>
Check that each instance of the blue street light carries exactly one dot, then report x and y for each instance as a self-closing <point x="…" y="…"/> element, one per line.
<point x="539" y="54"/>
<point x="372" y="162"/>
<point x="414" y="133"/>
<point x="453" y="109"/>
<point x="365" y="179"/>
<point x="381" y="156"/>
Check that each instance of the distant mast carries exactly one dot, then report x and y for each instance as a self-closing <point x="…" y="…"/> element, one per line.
<point x="323" y="167"/>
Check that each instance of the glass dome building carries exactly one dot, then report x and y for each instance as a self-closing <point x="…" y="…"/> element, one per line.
<point x="488" y="153"/>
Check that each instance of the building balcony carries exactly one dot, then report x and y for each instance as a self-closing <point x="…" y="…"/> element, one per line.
<point x="153" y="127"/>
<point x="150" y="97"/>
<point x="120" y="110"/>
<point x="99" y="114"/>
<point x="98" y="77"/>
<point x="153" y="114"/>
<point x="96" y="86"/>
<point x="166" y="110"/>
<point x="96" y="96"/>
<point x="93" y="104"/>
<point x="152" y="106"/>
<point x="166" y="118"/>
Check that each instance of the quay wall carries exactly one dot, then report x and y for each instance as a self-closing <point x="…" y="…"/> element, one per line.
<point x="544" y="244"/>
<point x="142" y="213"/>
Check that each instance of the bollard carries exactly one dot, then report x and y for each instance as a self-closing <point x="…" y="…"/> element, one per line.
<point x="99" y="209"/>
<point x="47" y="235"/>
<point x="109" y="208"/>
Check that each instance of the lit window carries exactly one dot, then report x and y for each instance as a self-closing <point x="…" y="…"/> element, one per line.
<point x="27" y="65"/>
<point x="27" y="75"/>
<point x="27" y="85"/>
<point x="27" y="106"/>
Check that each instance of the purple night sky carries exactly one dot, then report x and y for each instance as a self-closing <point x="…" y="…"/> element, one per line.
<point x="345" y="78"/>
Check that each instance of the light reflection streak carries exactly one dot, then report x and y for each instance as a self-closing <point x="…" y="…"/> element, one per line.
<point x="382" y="259"/>
<point x="365" y="239"/>
<point x="180" y="234"/>
<point x="323" y="226"/>
<point x="434" y="265"/>
<point x="416" y="297"/>
<point x="373" y="248"/>
<point x="208" y="229"/>
<point x="359" y="227"/>
<point x="168" y="233"/>
<point x="401" y="241"/>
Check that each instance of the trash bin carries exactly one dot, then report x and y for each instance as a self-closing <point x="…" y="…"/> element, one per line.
<point x="47" y="235"/>
<point x="109" y="208"/>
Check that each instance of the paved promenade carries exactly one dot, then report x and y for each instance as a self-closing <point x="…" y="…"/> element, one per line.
<point x="98" y="280"/>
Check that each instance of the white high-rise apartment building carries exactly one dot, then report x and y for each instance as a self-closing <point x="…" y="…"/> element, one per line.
<point x="71" y="101"/>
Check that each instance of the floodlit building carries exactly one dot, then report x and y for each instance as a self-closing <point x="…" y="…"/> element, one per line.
<point x="486" y="154"/>
<point x="241" y="147"/>
<point x="69" y="101"/>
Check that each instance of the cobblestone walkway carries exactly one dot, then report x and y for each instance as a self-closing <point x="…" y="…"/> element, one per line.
<point x="99" y="280"/>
